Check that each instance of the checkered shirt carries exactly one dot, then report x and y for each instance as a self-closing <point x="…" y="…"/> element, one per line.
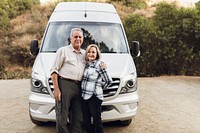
<point x="95" y="79"/>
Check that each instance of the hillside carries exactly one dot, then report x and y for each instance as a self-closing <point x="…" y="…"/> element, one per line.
<point x="15" y="60"/>
<point x="181" y="3"/>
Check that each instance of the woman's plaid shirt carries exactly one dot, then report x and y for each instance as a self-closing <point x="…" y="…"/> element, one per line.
<point x="95" y="79"/>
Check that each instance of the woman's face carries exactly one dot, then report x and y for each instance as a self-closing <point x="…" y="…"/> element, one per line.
<point x="92" y="54"/>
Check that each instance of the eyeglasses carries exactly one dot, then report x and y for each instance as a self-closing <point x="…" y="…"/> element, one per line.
<point x="77" y="36"/>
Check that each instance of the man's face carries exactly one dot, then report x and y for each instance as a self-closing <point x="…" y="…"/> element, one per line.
<point x="77" y="39"/>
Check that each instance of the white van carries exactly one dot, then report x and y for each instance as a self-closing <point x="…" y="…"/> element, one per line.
<point x="101" y="25"/>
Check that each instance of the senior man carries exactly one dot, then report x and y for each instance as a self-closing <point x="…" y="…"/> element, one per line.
<point x="66" y="75"/>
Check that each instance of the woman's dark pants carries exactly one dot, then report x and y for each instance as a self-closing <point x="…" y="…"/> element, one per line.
<point x="92" y="109"/>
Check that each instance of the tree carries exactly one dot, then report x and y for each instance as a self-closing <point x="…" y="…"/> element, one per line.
<point x="169" y="41"/>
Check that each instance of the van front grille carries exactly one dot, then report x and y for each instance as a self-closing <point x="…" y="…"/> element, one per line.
<point x="112" y="88"/>
<point x="109" y="91"/>
<point x="51" y="85"/>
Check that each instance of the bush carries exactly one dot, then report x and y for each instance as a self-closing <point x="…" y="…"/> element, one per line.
<point x="18" y="56"/>
<point x="2" y="71"/>
<point x="17" y="72"/>
<point x="4" y="20"/>
<point x="169" y="41"/>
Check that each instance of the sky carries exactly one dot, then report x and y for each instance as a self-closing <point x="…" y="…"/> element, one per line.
<point x="45" y="1"/>
<point x="188" y="2"/>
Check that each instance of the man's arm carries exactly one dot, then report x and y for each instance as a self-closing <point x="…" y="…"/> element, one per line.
<point x="57" y="93"/>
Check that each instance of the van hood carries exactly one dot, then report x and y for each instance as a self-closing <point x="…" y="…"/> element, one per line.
<point x="118" y="65"/>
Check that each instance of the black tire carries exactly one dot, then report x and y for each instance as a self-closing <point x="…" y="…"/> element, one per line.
<point x="126" y="122"/>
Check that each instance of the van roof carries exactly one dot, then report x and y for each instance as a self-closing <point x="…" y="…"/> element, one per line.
<point x="85" y="6"/>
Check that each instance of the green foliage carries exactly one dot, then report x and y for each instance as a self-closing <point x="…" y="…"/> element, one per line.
<point x="141" y="29"/>
<point x="169" y="41"/>
<point x="2" y="71"/>
<point x="11" y="8"/>
<point x="17" y="7"/>
<point x="4" y="20"/>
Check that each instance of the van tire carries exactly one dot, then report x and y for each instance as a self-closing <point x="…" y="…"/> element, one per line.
<point x="126" y="122"/>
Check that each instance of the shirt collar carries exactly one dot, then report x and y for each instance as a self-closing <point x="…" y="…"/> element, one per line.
<point x="93" y="64"/>
<point x="72" y="48"/>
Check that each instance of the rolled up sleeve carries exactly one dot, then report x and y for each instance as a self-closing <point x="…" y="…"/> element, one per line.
<point x="58" y="62"/>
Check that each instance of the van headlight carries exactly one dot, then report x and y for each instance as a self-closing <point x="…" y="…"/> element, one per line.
<point x="38" y="87"/>
<point x="129" y="84"/>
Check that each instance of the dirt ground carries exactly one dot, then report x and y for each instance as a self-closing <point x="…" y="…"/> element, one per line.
<point x="167" y="105"/>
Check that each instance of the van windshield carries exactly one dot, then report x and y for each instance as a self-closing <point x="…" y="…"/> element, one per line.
<point x="108" y="36"/>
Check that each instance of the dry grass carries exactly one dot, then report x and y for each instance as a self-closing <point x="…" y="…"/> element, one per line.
<point x="17" y="68"/>
<point x="32" y="21"/>
<point x="148" y="13"/>
<point x="122" y="10"/>
<point x="23" y="40"/>
<point x="17" y="72"/>
<point x="20" y="20"/>
<point x="24" y="28"/>
<point x="30" y="25"/>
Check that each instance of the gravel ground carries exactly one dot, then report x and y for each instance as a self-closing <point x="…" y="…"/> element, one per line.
<point x="167" y="105"/>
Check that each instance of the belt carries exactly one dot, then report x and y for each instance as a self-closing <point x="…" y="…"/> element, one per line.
<point x="71" y="80"/>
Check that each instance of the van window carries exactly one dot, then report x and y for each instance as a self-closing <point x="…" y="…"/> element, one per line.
<point x="108" y="36"/>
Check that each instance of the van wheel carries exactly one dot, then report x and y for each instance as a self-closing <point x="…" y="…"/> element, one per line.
<point x="126" y="122"/>
<point x="39" y="123"/>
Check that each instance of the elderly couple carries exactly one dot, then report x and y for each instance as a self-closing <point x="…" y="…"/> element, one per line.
<point x="78" y="77"/>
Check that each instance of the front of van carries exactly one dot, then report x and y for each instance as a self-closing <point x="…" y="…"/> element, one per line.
<point x="120" y="98"/>
<point x="123" y="103"/>
<point x="102" y="26"/>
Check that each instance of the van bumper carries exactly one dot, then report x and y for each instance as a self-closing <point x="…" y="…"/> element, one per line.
<point x="41" y="107"/>
<point x="123" y="107"/>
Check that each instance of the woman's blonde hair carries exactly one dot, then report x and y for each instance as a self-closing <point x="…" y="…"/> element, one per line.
<point x="97" y="48"/>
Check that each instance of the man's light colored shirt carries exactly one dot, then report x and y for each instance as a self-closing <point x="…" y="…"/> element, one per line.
<point x="95" y="79"/>
<point x="68" y="63"/>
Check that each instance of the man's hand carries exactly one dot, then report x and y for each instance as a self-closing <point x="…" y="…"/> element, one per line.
<point x="57" y="94"/>
<point x="103" y="65"/>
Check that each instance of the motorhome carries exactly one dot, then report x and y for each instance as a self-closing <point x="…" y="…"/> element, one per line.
<point x="102" y="26"/>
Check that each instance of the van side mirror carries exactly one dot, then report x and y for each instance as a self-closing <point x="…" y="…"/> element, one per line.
<point x="135" y="49"/>
<point x="34" y="49"/>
